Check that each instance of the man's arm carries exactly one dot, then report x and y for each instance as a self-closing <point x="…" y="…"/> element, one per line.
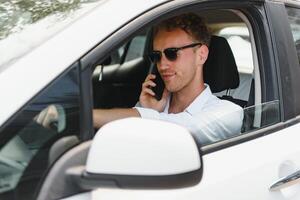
<point x="147" y="100"/>
<point x="103" y="116"/>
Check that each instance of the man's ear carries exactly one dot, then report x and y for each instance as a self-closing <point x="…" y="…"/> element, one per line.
<point x="203" y="54"/>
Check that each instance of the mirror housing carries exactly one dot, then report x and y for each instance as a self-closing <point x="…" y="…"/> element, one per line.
<point x="142" y="153"/>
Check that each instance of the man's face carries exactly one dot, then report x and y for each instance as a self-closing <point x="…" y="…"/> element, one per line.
<point x="184" y="71"/>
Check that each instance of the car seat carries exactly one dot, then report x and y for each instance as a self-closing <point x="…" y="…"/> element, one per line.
<point x="220" y="69"/>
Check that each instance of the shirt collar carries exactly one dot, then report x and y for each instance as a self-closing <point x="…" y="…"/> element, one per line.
<point x="198" y="103"/>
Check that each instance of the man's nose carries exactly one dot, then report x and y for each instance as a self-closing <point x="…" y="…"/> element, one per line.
<point x="164" y="63"/>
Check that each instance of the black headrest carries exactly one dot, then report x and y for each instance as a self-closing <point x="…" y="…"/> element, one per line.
<point x="220" y="70"/>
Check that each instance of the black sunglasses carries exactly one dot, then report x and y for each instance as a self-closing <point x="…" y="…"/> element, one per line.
<point x="170" y="53"/>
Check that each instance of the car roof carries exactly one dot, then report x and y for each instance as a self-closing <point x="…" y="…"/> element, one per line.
<point x="27" y="76"/>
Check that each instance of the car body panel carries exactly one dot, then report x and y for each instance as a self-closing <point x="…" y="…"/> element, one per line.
<point x="248" y="168"/>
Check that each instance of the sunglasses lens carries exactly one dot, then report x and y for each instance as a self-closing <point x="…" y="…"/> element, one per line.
<point x="171" y="54"/>
<point x="155" y="56"/>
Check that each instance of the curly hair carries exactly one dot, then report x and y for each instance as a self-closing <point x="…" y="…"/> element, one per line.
<point x="191" y="23"/>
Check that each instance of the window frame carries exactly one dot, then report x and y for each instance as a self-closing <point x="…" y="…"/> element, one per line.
<point x="256" y="15"/>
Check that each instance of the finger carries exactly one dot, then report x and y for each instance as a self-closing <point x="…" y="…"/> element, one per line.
<point x="148" y="91"/>
<point x="150" y="77"/>
<point x="41" y="116"/>
<point x="50" y="116"/>
<point x="48" y="119"/>
<point x="148" y="84"/>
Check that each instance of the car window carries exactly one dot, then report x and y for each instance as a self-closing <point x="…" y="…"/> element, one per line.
<point x="130" y="50"/>
<point x="136" y="48"/>
<point x="115" y="89"/>
<point x="257" y="112"/>
<point x="294" y="19"/>
<point x="27" y="139"/>
<point x="117" y="81"/>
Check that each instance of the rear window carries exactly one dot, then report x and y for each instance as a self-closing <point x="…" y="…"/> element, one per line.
<point x="294" y="20"/>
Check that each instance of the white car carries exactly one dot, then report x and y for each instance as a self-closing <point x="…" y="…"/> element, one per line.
<point x="58" y="62"/>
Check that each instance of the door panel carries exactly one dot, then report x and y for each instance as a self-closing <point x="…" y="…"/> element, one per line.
<point x="245" y="171"/>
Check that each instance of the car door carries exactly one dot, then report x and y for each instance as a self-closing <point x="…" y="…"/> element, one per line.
<point x="262" y="167"/>
<point x="249" y="165"/>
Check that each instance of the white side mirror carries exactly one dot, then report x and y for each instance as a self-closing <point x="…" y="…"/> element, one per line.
<point x="137" y="152"/>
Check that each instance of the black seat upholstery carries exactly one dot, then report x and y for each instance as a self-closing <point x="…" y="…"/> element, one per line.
<point x="220" y="69"/>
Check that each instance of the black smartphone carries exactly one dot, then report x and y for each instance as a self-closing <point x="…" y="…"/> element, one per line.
<point x="160" y="86"/>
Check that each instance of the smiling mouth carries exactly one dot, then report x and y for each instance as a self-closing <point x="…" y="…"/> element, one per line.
<point x="168" y="76"/>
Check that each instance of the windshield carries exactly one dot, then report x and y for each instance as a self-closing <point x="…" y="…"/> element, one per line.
<point x="25" y="24"/>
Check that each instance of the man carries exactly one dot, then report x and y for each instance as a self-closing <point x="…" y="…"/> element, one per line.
<point x="180" y="49"/>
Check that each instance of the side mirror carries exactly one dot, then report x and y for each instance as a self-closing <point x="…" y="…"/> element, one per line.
<point x="141" y="153"/>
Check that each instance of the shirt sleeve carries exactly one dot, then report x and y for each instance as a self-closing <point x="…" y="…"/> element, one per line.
<point x="147" y="113"/>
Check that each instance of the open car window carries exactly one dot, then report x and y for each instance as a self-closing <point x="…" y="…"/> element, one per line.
<point x="119" y="84"/>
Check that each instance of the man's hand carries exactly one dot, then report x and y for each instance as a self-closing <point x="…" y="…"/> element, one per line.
<point x="53" y="117"/>
<point x="147" y="96"/>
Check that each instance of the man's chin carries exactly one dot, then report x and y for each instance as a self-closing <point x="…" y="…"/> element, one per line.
<point x="171" y="89"/>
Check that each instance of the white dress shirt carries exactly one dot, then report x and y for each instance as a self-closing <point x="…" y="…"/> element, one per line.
<point x="208" y="118"/>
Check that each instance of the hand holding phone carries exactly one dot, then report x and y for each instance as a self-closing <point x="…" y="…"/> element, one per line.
<point x="153" y="94"/>
<point x="160" y="86"/>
